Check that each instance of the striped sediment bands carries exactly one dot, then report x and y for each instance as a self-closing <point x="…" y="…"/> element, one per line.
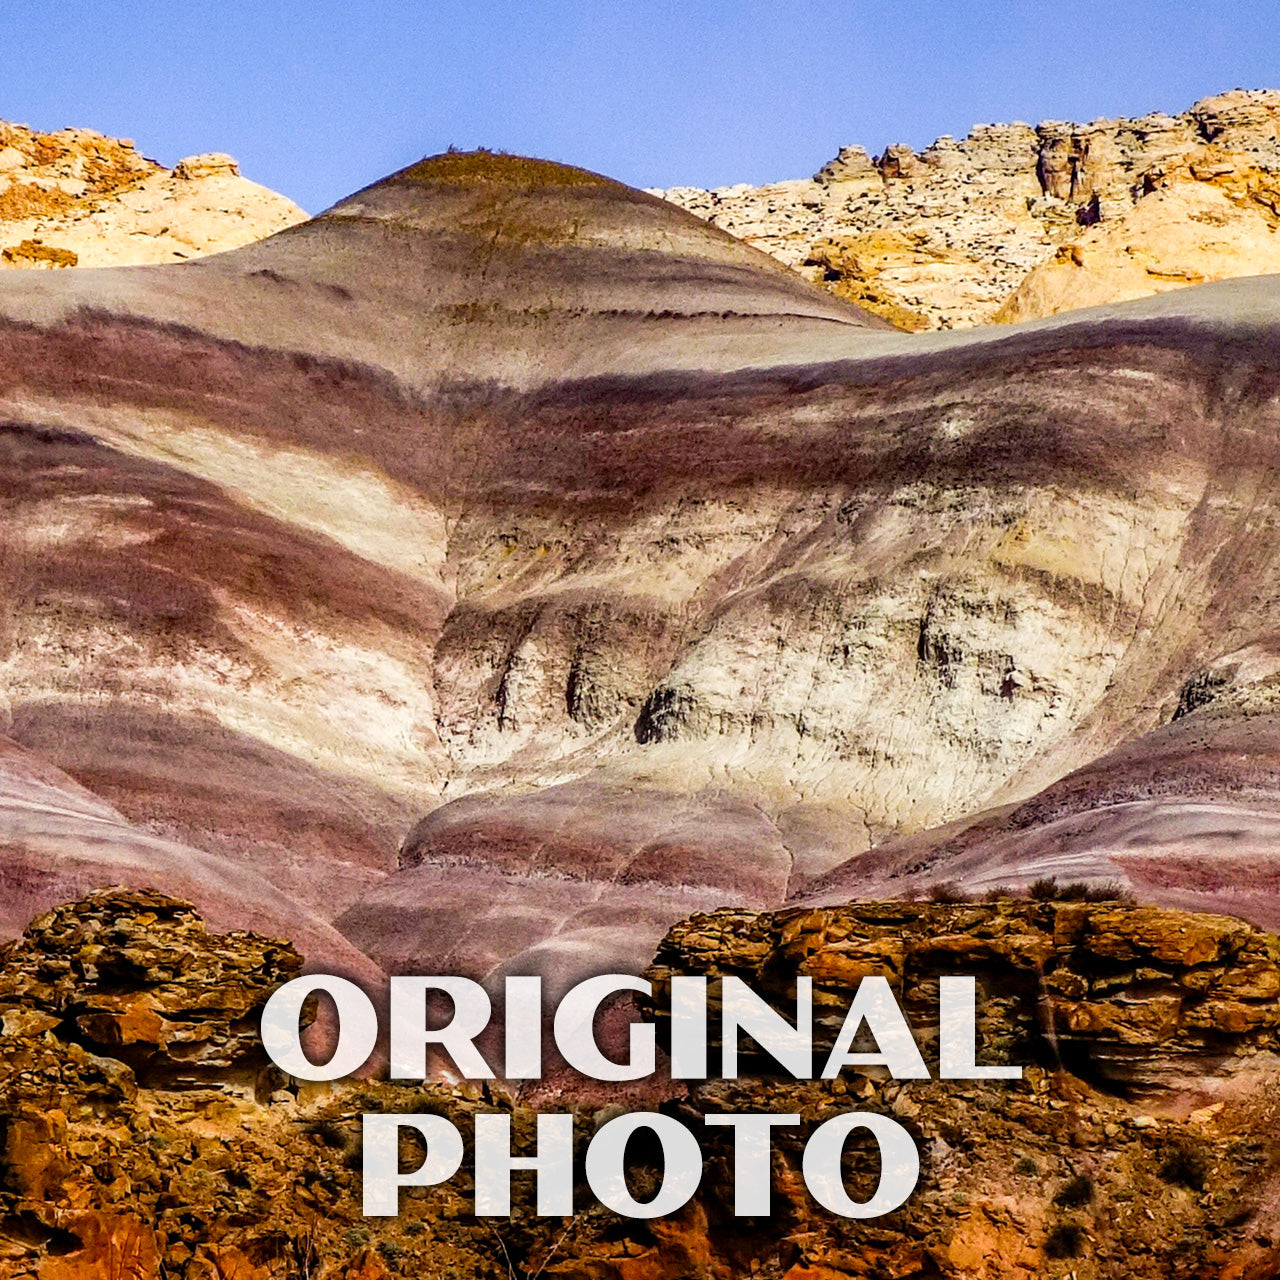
<point x="683" y="581"/>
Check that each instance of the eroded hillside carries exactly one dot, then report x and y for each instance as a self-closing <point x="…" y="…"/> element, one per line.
<point x="506" y="564"/>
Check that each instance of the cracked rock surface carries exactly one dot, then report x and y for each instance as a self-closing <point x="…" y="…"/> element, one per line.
<point x="214" y="1169"/>
<point x="1014" y="221"/>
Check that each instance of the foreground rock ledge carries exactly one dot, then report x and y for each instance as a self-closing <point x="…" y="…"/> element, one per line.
<point x="141" y="1137"/>
<point x="1124" y="996"/>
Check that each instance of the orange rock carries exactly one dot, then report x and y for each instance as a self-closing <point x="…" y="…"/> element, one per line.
<point x="814" y="1271"/>
<point x="216" y="1263"/>
<point x="369" y="1266"/>
<point x="115" y="1247"/>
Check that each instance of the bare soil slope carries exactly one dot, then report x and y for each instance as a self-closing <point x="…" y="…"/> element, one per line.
<point x="509" y="498"/>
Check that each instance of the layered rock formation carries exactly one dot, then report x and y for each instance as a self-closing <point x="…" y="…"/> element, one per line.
<point x="507" y="564"/>
<point x="1014" y="222"/>
<point x="1147" y="1038"/>
<point x="60" y="841"/>
<point x="78" y="198"/>
<point x="1128" y="997"/>
<point x="252" y="575"/>
<point x="142" y="1137"/>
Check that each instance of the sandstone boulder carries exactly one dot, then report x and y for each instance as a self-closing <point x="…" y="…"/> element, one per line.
<point x="136" y="976"/>
<point x="1129" y="997"/>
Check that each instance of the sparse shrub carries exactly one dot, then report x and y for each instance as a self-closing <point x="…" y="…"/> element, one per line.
<point x="947" y="891"/>
<point x="391" y="1251"/>
<point x="1000" y="893"/>
<point x="1075" y="1193"/>
<point x="330" y="1132"/>
<point x="1109" y="891"/>
<point x="1047" y="889"/>
<point x="1064" y="1241"/>
<point x="356" y="1237"/>
<point x="35" y="253"/>
<point x="1027" y="1167"/>
<point x="1186" y="1166"/>
<point x="24" y="200"/>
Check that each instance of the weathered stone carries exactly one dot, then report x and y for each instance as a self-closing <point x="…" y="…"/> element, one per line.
<point x="140" y="978"/>
<point x="1052" y="976"/>
<point x="986" y="227"/>
<point x="77" y="197"/>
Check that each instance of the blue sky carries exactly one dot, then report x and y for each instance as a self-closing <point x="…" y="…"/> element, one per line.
<point x="319" y="97"/>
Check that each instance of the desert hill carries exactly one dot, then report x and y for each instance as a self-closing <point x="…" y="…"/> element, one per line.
<point x="1014" y="221"/>
<point x="79" y="198"/>
<point x="506" y="563"/>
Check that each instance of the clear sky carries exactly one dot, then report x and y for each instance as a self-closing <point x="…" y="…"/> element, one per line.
<point x="316" y="98"/>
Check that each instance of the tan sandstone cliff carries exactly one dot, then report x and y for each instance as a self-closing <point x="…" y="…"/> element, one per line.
<point x="78" y="198"/>
<point x="1014" y="221"/>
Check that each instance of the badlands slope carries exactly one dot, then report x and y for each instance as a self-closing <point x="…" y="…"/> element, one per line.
<point x="507" y="563"/>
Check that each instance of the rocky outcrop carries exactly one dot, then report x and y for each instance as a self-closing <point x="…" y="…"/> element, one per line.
<point x="135" y="976"/>
<point x="108" y="1169"/>
<point x="1014" y="222"/>
<point x="1211" y="217"/>
<point x="79" y="198"/>
<point x="1175" y="1016"/>
<point x="1124" y="996"/>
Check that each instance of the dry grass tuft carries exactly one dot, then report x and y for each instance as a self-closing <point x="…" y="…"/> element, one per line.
<point x="35" y="253"/>
<point x="466" y="168"/>
<point x="27" y="200"/>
